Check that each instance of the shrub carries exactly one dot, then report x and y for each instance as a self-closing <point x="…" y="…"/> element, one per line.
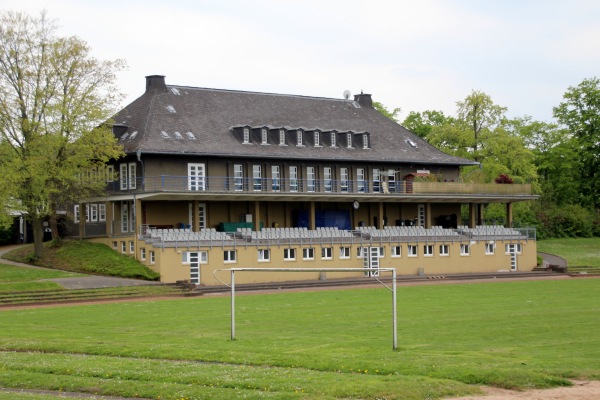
<point x="503" y="178"/>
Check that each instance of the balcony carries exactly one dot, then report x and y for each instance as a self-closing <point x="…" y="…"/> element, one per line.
<point x="330" y="188"/>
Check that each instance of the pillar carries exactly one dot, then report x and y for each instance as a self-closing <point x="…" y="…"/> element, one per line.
<point x="380" y="215"/>
<point x="110" y="216"/>
<point x="428" y="215"/>
<point x="472" y="215"/>
<point x="509" y="215"/>
<point x="312" y="219"/>
<point x="256" y="216"/>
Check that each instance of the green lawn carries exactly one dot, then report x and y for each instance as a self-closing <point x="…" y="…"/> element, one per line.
<point x="15" y="279"/>
<point x="580" y="252"/>
<point x="314" y="345"/>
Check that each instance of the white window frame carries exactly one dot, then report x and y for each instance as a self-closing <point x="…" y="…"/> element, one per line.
<point x="326" y="253"/>
<point x="344" y="252"/>
<point x="102" y="212"/>
<point x="344" y="179"/>
<point x="376" y="180"/>
<point x="152" y="257"/>
<point x="293" y="178"/>
<point x="246" y="133"/>
<point x="310" y="179"/>
<point x="365" y="141"/>
<point x="201" y="215"/>
<point x="517" y="247"/>
<point x="282" y="137"/>
<point x="123" y="174"/>
<point x="428" y="250"/>
<point x="203" y="257"/>
<point x="132" y="177"/>
<point x="299" y="141"/>
<point x="94" y="212"/>
<point x="264" y="255"/>
<point x="196" y="177"/>
<point x="327" y="179"/>
<point x="396" y="251"/>
<point x="490" y="248"/>
<point x="264" y="136"/>
<point x="349" y="140"/>
<point x="381" y="252"/>
<point x="131" y="247"/>
<point x="229" y="256"/>
<point x="333" y="139"/>
<point x="76" y="214"/>
<point x="444" y="250"/>
<point x="361" y="252"/>
<point x="127" y="175"/>
<point x="413" y="250"/>
<point x="465" y="249"/>
<point x="360" y="180"/>
<point x="317" y="138"/>
<point x="289" y="254"/>
<point x="275" y="178"/>
<point x="123" y="247"/>
<point x="238" y="177"/>
<point x="257" y="177"/>
<point x="308" y="253"/>
<point x="143" y="253"/>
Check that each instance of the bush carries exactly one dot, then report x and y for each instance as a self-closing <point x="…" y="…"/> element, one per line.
<point x="503" y="178"/>
<point x="566" y="221"/>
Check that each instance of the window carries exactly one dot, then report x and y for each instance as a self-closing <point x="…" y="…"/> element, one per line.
<point x="344" y="252"/>
<point x="327" y="180"/>
<point x="238" y="177"/>
<point x="131" y="247"/>
<point x="326" y="253"/>
<point x="365" y="138"/>
<point x="293" y="178"/>
<point x="201" y="215"/>
<point x="76" y="213"/>
<point x="381" y="252"/>
<point x="263" y="136"/>
<point x="264" y="255"/>
<point x="127" y="224"/>
<point x="123" y="247"/>
<point x="317" y="139"/>
<point x="102" y="212"/>
<point x="413" y="250"/>
<point x="289" y="254"/>
<point x="360" y="180"/>
<point x="344" y="179"/>
<point x="178" y="135"/>
<point x="333" y="139"/>
<point x="196" y="176"/>
<point x="152" y="257"/>
<point x="299" y="138"/>
<point x="275" y="181"/>
<point x="87" y="213"/>
<point x="110" y="173"/>
<point x="361" y="252"/>
<point x="143" y="254"/>
<point x="203" y="257"/>
<point x="428" y="250"/>
<point x="190" y="136"/>
<point x="246" y="135"/>
<point x="464" y="250"/>
<point x="114" y="245"/>
<point x="310" y="179"/>
<point x="490" y="248"/>
<point x="396" y="251"/>
<point x="127" y="176"/>
<point x="257" y="178"/>
<point x="349" y="140"/>
<point x="444" y="250"/>
<point x="185" y="258"/>
<point x="308" y="253"/>
<point x="94" y="212"/>
<point x="513" y="248"/>
<point x="281" y="137"/>
<point x="376" y="180"/>
<point x="229" y="256"/>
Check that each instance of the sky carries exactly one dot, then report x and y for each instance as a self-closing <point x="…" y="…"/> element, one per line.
<point x="413" y="55"/>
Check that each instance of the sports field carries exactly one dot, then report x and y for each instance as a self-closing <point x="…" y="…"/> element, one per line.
<point x="313" y="345"/>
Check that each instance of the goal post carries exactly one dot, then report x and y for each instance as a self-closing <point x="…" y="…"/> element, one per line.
<point x="379" y="270"/>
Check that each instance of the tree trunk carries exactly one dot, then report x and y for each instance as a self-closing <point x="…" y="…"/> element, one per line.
<point x="54" y="226"/>
<point x="38" y="236"/>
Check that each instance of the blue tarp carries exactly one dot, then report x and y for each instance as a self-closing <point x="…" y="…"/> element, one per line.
<point x="327" y="218"/>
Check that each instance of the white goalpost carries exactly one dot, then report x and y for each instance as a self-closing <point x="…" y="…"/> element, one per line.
<point x="368" y="270"/>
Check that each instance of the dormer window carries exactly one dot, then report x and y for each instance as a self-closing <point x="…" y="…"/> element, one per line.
<point x="299" y="138"/>
<point x="365" y="141"/>
<point x="333" y="141"/>
<point x="317" y="139"/>
<point x="281" y="137"/>
<point x="349" y="140"/>
<point x="263" y="136"/>
<point x="246" y="135"/>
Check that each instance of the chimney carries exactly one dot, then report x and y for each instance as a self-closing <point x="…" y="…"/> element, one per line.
<point x="363" y="99"/>
<point x="156" y="82"/>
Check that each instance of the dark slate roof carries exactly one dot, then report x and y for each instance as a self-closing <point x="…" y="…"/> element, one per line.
<point x="212" y="114"/>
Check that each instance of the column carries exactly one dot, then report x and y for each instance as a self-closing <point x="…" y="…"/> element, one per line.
<point x="312" y="222"/>
<point x="509" y="215"/>
<point x="472" y="215"/>
<point x="256" y="216"/>
<point x="428" y="215"/>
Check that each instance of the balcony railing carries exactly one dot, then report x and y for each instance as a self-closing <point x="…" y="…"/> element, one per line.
<point x="217" y="184"/>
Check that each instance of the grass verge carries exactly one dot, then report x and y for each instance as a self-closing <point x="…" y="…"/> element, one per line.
<point x="85" y="257"/>
<point x="579" y="252"/>
<point x="316" y="345"/>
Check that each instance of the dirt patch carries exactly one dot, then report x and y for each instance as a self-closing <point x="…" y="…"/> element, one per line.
<point x="581" y="390"/>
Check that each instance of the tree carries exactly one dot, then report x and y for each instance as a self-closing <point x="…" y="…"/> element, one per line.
<point x="54" y="100"/>
<point x="393" y="115"/>
<point x="580" y="113"/>
<point x="421" y="124"/>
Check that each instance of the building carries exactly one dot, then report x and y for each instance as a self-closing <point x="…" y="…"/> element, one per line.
<point x="219" y="178"/>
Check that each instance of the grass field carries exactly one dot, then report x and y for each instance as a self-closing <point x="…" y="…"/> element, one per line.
<point x="314" y="345"/>
<point x="580" y="252"/>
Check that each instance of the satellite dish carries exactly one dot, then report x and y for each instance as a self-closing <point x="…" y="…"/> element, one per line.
<point x="347" y="94"/>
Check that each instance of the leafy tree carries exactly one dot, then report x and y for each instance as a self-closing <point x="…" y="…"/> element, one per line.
<point x="422" y="123"/>
<point x="54" y="98"/>
<point x="580" y="113"/>
<point x="393" y="115"/>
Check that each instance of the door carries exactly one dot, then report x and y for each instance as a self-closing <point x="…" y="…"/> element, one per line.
<point x="512" y="250"/>
<point x="371" y="261"/>
<point x="196" y="177"/>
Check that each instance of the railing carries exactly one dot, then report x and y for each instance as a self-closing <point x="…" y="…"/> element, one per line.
<point x="218" y="184"/>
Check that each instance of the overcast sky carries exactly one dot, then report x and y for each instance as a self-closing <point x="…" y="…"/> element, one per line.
<point x="415" y="55"/>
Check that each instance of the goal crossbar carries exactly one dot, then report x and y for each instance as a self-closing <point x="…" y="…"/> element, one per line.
<point x="393" y="290"/>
